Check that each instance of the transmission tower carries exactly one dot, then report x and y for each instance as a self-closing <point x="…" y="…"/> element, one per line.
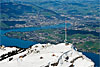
<point x="66" y="42"/>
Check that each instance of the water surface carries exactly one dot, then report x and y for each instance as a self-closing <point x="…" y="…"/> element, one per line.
<point x="7" y="41"/>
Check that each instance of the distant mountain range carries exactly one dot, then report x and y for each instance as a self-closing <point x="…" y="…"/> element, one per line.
<point x="14" y="10"/>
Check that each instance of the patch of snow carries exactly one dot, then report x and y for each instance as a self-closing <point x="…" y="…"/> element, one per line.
<point x="48" y="55"/>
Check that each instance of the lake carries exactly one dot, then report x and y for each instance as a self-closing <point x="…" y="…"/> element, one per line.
<point x="94" y="57"/>
<point x="7" y="41"/>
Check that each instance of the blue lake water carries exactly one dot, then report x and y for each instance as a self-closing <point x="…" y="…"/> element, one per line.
<point x="94" y="57"/>
<point x="21" y="43"/>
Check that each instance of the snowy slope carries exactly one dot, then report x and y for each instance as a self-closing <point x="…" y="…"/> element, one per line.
<point x="48" y="55"/>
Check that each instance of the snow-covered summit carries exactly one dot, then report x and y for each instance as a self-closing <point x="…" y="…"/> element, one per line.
<point x="46" y="55"/>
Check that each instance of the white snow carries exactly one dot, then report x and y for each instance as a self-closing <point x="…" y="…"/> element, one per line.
<point x="6" y="50"/>
<point x="41" y="55"/>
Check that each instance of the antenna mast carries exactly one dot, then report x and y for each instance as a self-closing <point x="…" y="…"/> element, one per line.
<point x="66" y="33"/>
